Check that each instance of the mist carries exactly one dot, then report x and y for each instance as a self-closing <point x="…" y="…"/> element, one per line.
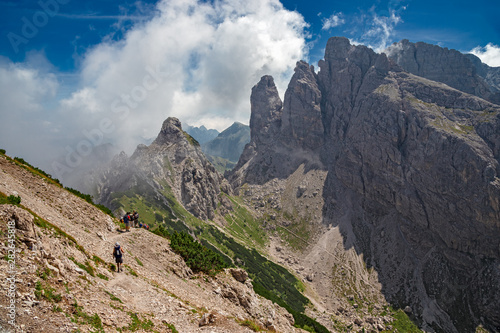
<point x="191" y="60"/>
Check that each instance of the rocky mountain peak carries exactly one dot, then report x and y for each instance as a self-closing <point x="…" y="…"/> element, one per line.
<point x="463" y="72"/>
<point x="171" y="132"/>
<point x="173" y="165"/>
<point x="301" y="120"/>
<point x="266" y="110"/>
<point x="411" y="170"/>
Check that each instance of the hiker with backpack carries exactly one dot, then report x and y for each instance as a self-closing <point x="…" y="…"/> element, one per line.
<point x="135" y="218"/>
<point x="126" y="220"/>
<point x="118" y="255"/>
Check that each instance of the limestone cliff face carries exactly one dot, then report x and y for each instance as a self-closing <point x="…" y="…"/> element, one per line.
<point x="463" y="72"/>
<point x="174" y="163"/>
<point x="412" y="178"/>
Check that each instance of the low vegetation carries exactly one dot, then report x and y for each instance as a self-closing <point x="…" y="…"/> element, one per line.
<point x="81" y="317"/>
<point x="198" y="257"/>
<point x="87" y="267"/>
<point x="137" y="324"/>
<point x="46" y="292"/>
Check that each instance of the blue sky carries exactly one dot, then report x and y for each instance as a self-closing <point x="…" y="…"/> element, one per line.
<point x="75" y="74"/>
<point x="78" y="25"/>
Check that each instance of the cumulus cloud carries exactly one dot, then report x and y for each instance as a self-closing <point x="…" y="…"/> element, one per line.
<point x="333" y="21"/>
<point x="193" y="60"/>
<point x="490" y="54"/>
<point x="25" y="92"/>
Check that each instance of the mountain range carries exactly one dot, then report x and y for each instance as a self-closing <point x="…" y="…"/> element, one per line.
<point x="366" y="198"/>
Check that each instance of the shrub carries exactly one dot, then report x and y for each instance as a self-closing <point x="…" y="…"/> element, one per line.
<point x="14" y="200"/>
<point x="161" y="231"/>
<point x="2" y="151"/>
<point x="197" y="257"/>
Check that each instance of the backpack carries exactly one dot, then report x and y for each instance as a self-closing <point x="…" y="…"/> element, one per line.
<point x="118" y="251"/>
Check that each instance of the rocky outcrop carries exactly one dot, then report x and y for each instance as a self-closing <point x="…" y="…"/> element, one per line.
<point x="301" y="121"/>
<point x="172" y="164"/>
<point x="412" y="167"/>
<point x="463" y="72"/>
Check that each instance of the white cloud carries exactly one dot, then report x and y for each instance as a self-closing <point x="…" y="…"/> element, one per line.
<point x="333" y="21"/>
<point x="490" y="54"/>
<point x="381" y="30"/>
<point x="194" y="60"/>
<point x="25" y="92"/>
<point x="377" y="30"/>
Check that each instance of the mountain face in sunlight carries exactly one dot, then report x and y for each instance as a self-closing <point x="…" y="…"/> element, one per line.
<point x="406" y="170"/>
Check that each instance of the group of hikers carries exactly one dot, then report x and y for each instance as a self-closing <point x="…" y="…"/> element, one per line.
<point x="128" y="219"/>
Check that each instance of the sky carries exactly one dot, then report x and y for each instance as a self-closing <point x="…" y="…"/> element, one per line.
<point x="77" y="74"/>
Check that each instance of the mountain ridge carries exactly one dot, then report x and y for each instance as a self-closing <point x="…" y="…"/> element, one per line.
<point x="385" y="138"/>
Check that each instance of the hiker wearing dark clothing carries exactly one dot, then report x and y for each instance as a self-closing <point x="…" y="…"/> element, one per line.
<point x="135" y="218"/>
<point x="126" y="220"/>
<point x="118" y="255"/>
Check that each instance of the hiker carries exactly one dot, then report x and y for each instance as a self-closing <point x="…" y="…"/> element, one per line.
<point x="126" y="220"/>
<point x="135" y="218"/>
<point x="118" y="255"/>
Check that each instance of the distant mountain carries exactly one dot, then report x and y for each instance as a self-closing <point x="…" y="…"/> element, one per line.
<point x="171" y="170"/>
<point x="230" y="143"/>
<point x="201" y="134"/>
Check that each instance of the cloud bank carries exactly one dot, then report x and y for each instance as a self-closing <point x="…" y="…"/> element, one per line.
<point x="490" y="54"/>
<point x="193" y="60"/>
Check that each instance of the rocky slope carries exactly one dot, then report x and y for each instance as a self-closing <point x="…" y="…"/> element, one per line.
<point x="64" y="280"/>
<point x="390" y="179"/>
<point x="173" y="165"/>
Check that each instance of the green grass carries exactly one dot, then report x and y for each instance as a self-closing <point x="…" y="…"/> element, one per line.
<point x="137" y="324"/>
<point x="81" y="317"/>
<point x="403" y="324"/>
<point x="198" y="257"/>
<point x="251" y="324"/>
<point x="113" y="297"/>
<point x="243" y="226"/>
<point x="98" y="261"/>
<point x="44" y="274"/>
<point x="138" y="261"/>
<point x="102" y="276"/>
<point x="131" y="271"/>
<point x="171" y="327"/>
<point x="191" y="140"/>
<point x="87" y="267"/>
<point x="45" y="291"/>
